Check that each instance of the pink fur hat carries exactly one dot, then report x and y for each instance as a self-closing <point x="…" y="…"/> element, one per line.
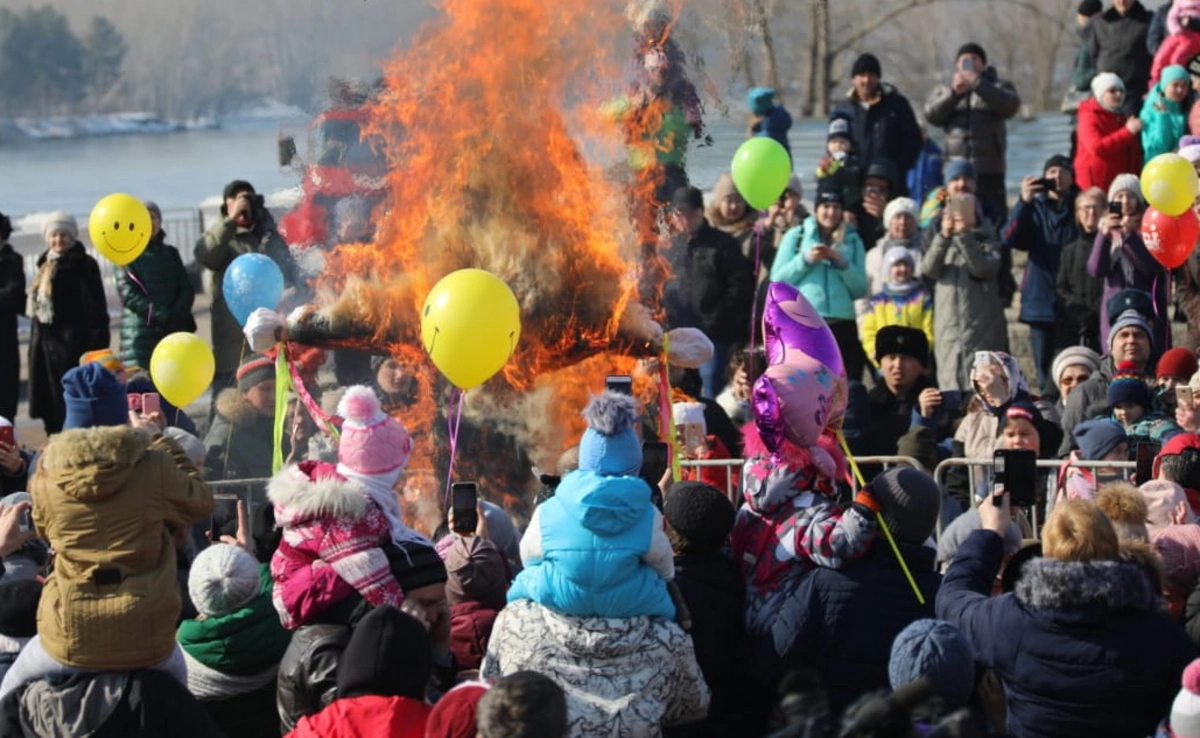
<point x="372" y="443"/>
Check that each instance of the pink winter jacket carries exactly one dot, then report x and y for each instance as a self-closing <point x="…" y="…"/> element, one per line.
<point x="332" y="536"/>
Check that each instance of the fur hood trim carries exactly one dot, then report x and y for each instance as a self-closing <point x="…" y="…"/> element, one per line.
<point x="233" y="406"/>
<point x="1049" y="584"/>
<point x="109" y="446"/>
<point x="315" y="490"/>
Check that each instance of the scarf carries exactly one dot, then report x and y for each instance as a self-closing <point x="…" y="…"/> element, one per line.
<point x="40" y="306"/>
<point x="379" y="489"/>
<point x="902" y="290"/>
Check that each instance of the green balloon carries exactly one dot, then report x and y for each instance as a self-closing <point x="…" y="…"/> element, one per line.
<point x="761" y="169"/>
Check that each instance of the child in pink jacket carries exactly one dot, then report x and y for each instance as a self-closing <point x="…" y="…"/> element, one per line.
<point x="337" y="521"/>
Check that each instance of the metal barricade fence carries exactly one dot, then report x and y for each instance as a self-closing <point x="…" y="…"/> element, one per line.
<point x="973" y="465"/>
<point x="252" y="492"/>
<point x="735" y="465"/>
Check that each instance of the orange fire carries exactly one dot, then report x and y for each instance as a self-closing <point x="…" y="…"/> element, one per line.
<point x="501" y="123"/>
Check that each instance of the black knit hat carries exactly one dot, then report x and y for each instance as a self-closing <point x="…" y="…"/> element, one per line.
<point x="866" y="64"/>
<point x="1058" y="160"/>
<point x="909" y="501"/>
<point x="18" y="608"/>
<point x="972" y="48"/>
<point x="902" y="340"/>
<point x="389" y="654"/>
<point x="829" y="191"/>
<point x="236" y="187"/>
<point x="699" y="513"/>
<point x="415" y="565"/>
<point x="1088" y="8"/>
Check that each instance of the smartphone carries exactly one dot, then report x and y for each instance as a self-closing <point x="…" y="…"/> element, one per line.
<point x="1116" y="208"/>
<point x="151" y="403"/>
<point x="1144" y="454"/>
<point x="656" y="457"/>
<point x="967" y="65"/>
<point x="1047" y="184"/>
<point x="1184" y="396"/>
<point x="619" y="383"/>
<point x="25" y="522"/>
<point x="693" y="436"/>
<point x="952" y="403"/>
<point x="1015" y="471"/>
<point x="464" y="501"/>
<point x="8" y="436"/>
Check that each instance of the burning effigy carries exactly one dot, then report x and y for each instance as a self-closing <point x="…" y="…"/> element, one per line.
<point x="499" y="128"/>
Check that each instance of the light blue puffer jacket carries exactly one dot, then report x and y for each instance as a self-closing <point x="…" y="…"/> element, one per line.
<point x="831" y="289"/>
<point x="594" y="532"/>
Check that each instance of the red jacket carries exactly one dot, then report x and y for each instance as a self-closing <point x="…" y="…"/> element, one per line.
<point x="1177" y="48"/>
<point x="470" y="629"/>
<point x="366" y="717"/>
<point x="1104" y="147"/>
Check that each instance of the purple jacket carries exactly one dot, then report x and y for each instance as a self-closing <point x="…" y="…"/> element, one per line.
<point x="1132" y="266"/>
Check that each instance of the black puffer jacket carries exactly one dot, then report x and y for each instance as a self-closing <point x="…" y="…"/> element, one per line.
<point x="712" y="286"/>
<point x="886" y="129"/>
<point x="975" y="122"/>
<point x="1079" y="295"/>
<point x="1119" y="45"/>
<point x="712" y="587"/>
<point x="138" y="704"/>
<point x="853" y="615"/>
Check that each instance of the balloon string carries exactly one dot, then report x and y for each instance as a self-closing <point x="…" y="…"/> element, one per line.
<point x="757" y="267"/>
<point x="138" y="282"/>
<point x="664" y="404"/>
<point x="282" y="385"/>
<point x="879" y="518"/>
<point x="453" y="423"/>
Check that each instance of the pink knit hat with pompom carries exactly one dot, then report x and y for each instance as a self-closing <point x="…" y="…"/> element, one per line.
<point x="1185" y="711"/>
<point x="1178" y="547"/>
<point x="372" y="443"/>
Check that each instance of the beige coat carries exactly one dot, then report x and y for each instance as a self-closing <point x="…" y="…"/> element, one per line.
<point x="107" y="499"/>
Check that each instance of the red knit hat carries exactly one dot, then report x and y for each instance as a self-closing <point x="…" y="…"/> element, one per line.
<point x="454" y="714"/>
<point x="1178" y="363"/>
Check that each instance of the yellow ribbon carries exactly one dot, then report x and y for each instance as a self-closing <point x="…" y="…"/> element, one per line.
<point x="862" y="483"/>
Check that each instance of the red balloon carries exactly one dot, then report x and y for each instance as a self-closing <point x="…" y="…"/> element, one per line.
<point x="1170" y="239"/>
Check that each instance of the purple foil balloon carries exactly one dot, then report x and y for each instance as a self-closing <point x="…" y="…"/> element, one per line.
<point x="791" y="324"/>
<point x="803" y="391"/>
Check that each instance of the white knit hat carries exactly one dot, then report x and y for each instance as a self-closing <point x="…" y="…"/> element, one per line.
<point x="1104" y="82"/>
<point x="899" y="206"/>
<point x="223" y="579"/>
<point x="1185" y="711"/>
<point x="59" y="220"/>
<point x="192" y="446"/>
<point x="1125" y="183"/>
<point x="688" y="412"/>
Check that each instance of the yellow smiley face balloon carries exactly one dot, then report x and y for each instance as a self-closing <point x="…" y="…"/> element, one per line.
<point x="120" y="228"/>
<point x="470" y="326"/>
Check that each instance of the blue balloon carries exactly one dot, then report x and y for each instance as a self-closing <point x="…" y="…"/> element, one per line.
<point x="252" y="281"/>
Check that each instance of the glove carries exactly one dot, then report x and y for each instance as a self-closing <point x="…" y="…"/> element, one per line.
<point x="264" y="329"/>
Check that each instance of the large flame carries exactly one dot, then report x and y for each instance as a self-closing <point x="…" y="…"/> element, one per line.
<point x="485" y="119"/>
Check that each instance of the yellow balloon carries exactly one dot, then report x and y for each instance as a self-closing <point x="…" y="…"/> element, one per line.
<point x="182" y="368"/>
<point x="120" y="228"/>
<point x="470" y="326"/>
<point x="1169" y="183"/>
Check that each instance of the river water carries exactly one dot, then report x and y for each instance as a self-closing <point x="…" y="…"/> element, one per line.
<point x="180" y="170"/>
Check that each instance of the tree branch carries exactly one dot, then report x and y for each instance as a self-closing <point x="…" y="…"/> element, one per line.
<point x="880" y="21"/>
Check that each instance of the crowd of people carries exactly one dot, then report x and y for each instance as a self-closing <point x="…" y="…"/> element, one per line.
<point x="779" y="598"/>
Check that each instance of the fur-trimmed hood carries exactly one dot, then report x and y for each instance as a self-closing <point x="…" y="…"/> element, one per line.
<point x="1087" y="590"/>
<point x="91" y="464"/>
<point x="233" y="406"/>
<point x="311" y="490"/>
